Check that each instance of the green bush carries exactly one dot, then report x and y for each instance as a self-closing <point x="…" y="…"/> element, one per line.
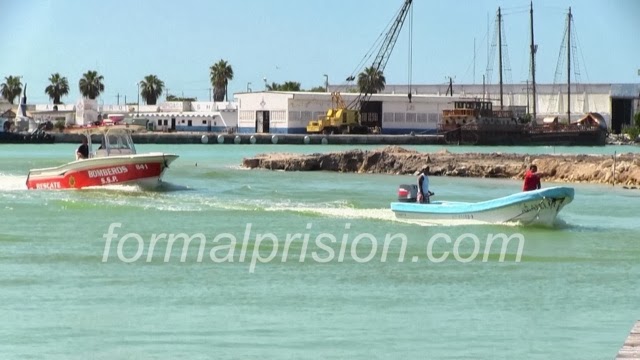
<point x="525" y="119"/>
<point x="59" y="125"/>
<point x="632" y="132"/>
<point x="636" y="119"/>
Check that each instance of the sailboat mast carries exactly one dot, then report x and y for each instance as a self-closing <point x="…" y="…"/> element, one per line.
<point x="500" y="52"/>
<point x="533" y="65"/>
<point x="569" y="66"/>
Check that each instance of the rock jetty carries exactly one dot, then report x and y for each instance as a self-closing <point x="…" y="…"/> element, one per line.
<point x="623" y="169"/>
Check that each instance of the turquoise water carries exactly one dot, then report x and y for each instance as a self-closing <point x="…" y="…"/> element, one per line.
<point x="572" y="294"/>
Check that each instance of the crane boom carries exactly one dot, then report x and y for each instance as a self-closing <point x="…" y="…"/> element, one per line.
<point x="386" y="48"/>
<point x="341" y="119"/>
<point x="392" y="36"/>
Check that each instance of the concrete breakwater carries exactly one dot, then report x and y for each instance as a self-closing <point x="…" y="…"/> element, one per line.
<point x="284" y="139"/>
<point x="624" y="169"/>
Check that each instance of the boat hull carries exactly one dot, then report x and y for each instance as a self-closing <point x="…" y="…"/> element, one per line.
<point x="500" y="136"/>
<point x="18" y="138"/>
<point x="141" y="169"/>
<point x="539" y="207"/>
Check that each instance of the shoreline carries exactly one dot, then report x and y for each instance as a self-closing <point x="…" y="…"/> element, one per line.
<point x="291" y="139"/>
<point x="623" y="169"/>
<point x="263" y="139"/>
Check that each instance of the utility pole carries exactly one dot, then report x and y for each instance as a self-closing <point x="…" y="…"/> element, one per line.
<point x="138" y="109"/>
<point x="210" y="95"/>
<point x="118" y="97"/>
<point x="450" y="88"/>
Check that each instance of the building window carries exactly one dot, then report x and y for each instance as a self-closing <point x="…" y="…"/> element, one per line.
<point x="204" y="122"/>
<point x="159" y="122"/>
<point x="183" y="121"/>
<point x="188" y="122"/>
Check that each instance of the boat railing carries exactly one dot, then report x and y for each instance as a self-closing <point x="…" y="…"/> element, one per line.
<point x="459" y="112"/>
<point x="503" y="113"/>
<point x="473" y="126"/>
<point x="550" y="128"/>
<point x="111" y="152"/>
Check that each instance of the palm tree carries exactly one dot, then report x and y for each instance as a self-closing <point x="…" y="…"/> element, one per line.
<point x="371" y="81"/>
<point x="151" y="88"/>
<point x="274" y="86"/>
<point x="59" y="87"/>
<point x="287" y="86"/>
<point x="91" y="85"/>
<point x="11" y="88"/>
<point x="221" y="73"/>
<point x="290" y="86"/>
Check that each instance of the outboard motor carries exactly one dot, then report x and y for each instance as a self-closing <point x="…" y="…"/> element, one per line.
<point x="408" y="193"/>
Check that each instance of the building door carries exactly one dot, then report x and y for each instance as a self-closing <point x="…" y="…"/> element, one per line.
<point x="621" y="114"/>
<point x="371" y="114"/>
<point x="173" y="124"/>
<point x="258" y="128"/>
<point x="262" y="122"/>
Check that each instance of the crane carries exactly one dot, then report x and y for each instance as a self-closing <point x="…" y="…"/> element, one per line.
<point x="380" y="62"/>
<point x="347" y="119"/>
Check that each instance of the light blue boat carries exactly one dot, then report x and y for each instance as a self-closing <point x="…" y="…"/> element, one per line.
<point x="531" y="207"/>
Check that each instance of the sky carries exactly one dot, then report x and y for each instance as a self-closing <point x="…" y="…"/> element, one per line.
<point x="302" y="40"/>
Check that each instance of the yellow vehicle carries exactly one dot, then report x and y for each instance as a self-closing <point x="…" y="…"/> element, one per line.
<point x="338" y="120"/>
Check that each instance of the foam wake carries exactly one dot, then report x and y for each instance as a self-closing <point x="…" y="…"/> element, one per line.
<point x="12" y="182"/>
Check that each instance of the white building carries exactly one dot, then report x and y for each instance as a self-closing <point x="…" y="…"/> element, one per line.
<point x="290" y="112"/>
<point x="617" y="103"/>
<point x="167" y="116"/>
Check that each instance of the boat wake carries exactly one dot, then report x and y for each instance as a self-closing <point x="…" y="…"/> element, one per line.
<point x="378" y="214"/>
<point x="12" y="182"/>
<point x="160" y="188"/>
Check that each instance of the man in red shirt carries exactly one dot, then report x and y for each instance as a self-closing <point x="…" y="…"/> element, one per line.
<point x="531" y="179"/>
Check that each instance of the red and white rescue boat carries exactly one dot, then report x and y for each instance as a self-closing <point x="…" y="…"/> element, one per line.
<point x="115" y="162"/>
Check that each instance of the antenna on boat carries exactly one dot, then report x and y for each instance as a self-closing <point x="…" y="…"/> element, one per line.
<point x="569" y="67"/>
<point x="500" y="52"/>
<point x="534" y="49"/>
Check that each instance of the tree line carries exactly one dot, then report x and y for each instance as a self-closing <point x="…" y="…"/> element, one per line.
<point x="91" y="85"/>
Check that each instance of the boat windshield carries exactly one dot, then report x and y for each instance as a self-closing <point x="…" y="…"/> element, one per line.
<point x="115" y="142"/>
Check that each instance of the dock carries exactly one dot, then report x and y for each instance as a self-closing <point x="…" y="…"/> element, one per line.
<point x="268" y="139"/>
<point x="631" y="347"/>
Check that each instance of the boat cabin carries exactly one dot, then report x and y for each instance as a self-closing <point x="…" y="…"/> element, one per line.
<point x="481" y="108"/>
<point x="110" y="141"/>
<point x="469" y="109"/>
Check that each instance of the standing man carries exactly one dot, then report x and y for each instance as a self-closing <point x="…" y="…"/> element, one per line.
<point x="83" y="150"/>
<point x="423" y="186"/>
<point x="532" y="179"/>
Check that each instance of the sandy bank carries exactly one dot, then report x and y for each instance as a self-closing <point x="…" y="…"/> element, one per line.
<point x="604" y="169"/>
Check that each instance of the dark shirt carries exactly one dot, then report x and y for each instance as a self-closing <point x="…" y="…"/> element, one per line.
<point x="84" y="150"/>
